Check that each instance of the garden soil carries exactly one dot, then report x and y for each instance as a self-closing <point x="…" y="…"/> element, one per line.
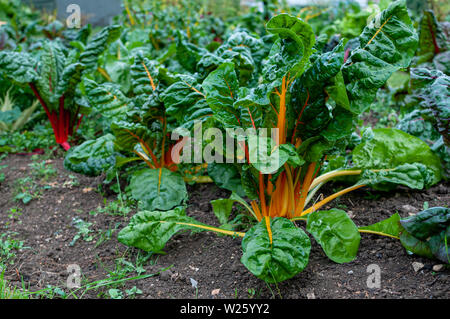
<point x="205" y="260"/>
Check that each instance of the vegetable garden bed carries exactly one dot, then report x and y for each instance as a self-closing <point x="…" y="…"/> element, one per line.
<point x="45" y="226"/>
<point x="284" y="153"/>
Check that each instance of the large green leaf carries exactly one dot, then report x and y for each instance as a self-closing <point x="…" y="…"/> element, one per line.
<point x="428" y="222"/>
<point x="291" y="52"/>
<point x="70" y="78"/>
<point x="415" y="176"/>
<point x="51" y="68"/>
<point x="92" y="157"/>
<point x="389" y="148"/>
<point x="129" y="134"/>
<point x="150" y="231"/>
<point x="432" y="38"/>
<point x="281" y="259"/>
<point x="107" y="98"/>
<point x="387" y="44"/>
<point x="158" y="189"/>
<point x="144" y="74"/>
<point x="428" y="233"/>
<point x="388" y="227"/>
<point x="431" y="89"/>
<point x="221" y="89"/>
<point x="98" y="44"/>
<point x="18" y="66"/>
<point x="336" y="233"/>
<point x="188" y="54"/>
<point x="226" y="176"/>
<point x="184" y="101"/>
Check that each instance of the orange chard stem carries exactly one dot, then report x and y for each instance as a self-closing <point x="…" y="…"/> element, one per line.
<point x="144" y="159"/>
<point x="262" y="196"/>
<point x="305" y="188"/>
<point x="145" y="146"/>
<point x="282" y="113"/>
<point x="256" y="210"/>
<point x="290" y="184"/>
<point x="149" y="76"/>
<point x="163" y="143"/>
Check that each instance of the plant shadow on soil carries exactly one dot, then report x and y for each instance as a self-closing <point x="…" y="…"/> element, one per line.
<point x="45" y="225"/>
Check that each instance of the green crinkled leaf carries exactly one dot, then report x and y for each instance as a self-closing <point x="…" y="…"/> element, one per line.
<point x="107" y="98"/>
<point x="427" y="233"/>
<point x="431" y="89"/>
<point x="18" y="66"/>
<point x="70" y="78"/>
<point x="183" y="101"/>
<point x="98" y="44"/>
<point x="129" y="134"/>
<point x="388" y="227"/>
<point x="428" y="222"/>
<point x="221" y="89"/>
<point x="188" y="54"/>
<point x="387" y="44"/>
<point x="51" y="68"/>
<point x="143" y="72"/>
<point x="432" y="38"/>
<point x="158" y="189"/>
<point x="226" y="176"/>
<point x="415" y="176"/>
<point x="389" y="148"/>
<point x="92" y="157"/>
<point x="150" y="231"/>
<point x="414" y="245"/>
<point x="280" y="260"/>
<point x="320" y="92"/>
<point x="291" y="52"/>
<point x="336" y="233"/>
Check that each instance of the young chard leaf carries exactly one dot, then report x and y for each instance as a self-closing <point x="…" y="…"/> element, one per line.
<point x="389" y="227"/>
<point x="336" y="233"/>
<point x="158" y="189"/>
<point x="150" y="231"/>
<point x="222" y="209"/>
<point x="281" y="259"/>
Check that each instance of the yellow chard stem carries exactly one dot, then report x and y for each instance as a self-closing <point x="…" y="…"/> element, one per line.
<point x="213" y="229"/>
<point x="329" y="199"/>
<point x="331" y="175"/>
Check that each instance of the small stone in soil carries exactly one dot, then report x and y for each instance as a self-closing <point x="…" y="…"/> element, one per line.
<point x="417" y="266"/>
<point x="438" y="267"/>
<point x="310" y="295"/>
<point x="215" y="292"/>
<point x="409" y="209"/>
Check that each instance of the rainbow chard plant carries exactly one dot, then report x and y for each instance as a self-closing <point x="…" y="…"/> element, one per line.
<point x="312" y="99"/>
<point x="53" y="75"/>
<point x="141" y="123"/>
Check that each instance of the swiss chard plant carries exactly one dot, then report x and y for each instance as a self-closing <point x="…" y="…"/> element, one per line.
<point x="312" y="100"/>
<point x="141" y="124"/>
<point x="53" y="75"/>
